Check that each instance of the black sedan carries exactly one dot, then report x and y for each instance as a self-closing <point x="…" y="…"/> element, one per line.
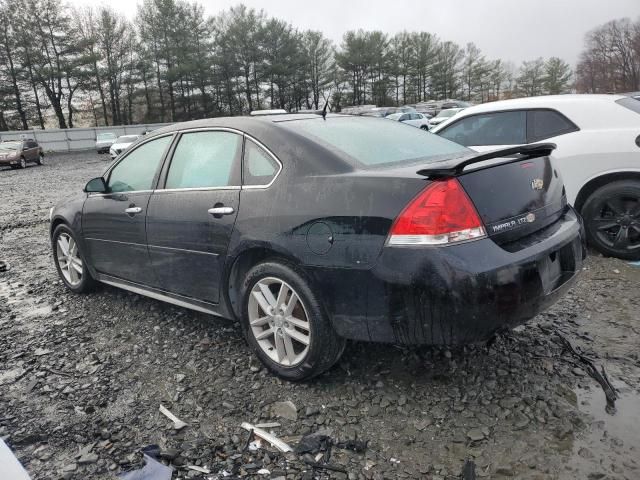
<point x="314" y="230"/>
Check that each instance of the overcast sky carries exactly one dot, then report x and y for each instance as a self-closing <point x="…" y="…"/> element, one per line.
<point x="512" y="30"/>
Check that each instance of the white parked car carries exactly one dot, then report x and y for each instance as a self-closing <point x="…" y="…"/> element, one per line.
<point x="414" y="119"/>
<point x="121" y="144"/>
<point x="597" y="154"/>
<point x="443" y="116"/>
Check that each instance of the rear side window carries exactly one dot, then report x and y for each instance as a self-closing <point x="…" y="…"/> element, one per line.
<point x="259" y="167"/>
<point x="631" y="103"/>
<point x="205" y="160"/>
<point x="371" y="142"/>
<point x="543" y="124"/>
<point x="499" y="128"/>
<point x="137" y="170"/>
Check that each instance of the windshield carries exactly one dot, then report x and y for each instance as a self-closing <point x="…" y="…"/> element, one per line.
<point x="448" y="113"/>
<point x="372" y="142"/>
<point x="127" y="139"/>
<point x="9" y="146"/>
<point x="105" y="136"/>
<point x="630" y="103"/>
<point x="395" y="116"/>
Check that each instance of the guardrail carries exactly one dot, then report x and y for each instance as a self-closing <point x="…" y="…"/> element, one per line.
<point x="72" y="139"/>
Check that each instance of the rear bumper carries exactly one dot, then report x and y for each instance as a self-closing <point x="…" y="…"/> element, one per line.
<point x="457" y="294"/>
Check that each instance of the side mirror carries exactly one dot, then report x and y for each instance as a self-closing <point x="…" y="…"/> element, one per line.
<point x="96" y="185"/>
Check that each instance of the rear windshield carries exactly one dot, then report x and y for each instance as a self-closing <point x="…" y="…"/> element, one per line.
<point x="630" y="103"/>
<point x="9" y="146"/>
<point x="129" y="139"/>
<point x="377" y="142"/>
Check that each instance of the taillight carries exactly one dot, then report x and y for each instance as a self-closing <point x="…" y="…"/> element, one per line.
<point x="441" y="214"/>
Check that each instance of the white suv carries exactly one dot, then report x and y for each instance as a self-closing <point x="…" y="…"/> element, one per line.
<point x="598" y="154"/>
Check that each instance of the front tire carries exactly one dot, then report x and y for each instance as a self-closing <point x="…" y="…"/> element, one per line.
<point x="285" y="324"/>
<point x="70" y="262"/>
<point x="612" y="219"/>
<point x="424" y="127"/>
<point x="22" y="164"/>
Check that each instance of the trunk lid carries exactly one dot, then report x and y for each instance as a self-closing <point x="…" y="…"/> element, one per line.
<point x="516" y="191"/>
<point x="516" y="199"/>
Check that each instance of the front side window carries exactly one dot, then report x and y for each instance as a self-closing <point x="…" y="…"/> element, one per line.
<point x="500" y="128"/>
<point x="205" y="160"/>
<point x="259" y="166"/>
<point x="546" y="124"/>
<point x="137" y="170"/>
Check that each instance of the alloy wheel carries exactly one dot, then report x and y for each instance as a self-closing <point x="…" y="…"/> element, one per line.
<point x="69" y="259"/>
<point x="617" y="223"/>
<point x="279" y="322"/>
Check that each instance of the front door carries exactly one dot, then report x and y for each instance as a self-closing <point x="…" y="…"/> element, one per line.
<point x="190" y="220"/>
<point x="113" y="223"/>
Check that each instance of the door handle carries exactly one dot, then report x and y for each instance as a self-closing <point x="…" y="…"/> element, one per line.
<point x="132" y="210"/>
<point x="219" y="211"/>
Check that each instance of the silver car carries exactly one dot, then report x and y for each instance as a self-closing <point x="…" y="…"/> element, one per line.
<point x="104" y="141"/>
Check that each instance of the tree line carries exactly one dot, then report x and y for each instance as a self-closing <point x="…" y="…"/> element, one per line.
<point x="61" y="66"/>
<point x="610" y="61"/>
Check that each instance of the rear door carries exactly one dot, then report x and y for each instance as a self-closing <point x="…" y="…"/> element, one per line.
<point x="113" y="224"/>
<point x="191" y="217"/>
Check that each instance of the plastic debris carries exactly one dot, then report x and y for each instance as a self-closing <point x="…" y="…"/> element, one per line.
<point x="10" y="467"/>
<point x="177" y="423"/>
<point x="272" y="439"/>
<point x="152" y="470"/>
<point x="469" y="470"/>
<point x="198" y="469"/>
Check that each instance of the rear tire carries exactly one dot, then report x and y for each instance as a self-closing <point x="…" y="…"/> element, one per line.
<point x="70" y="261"/>
<point x="612" y="219"/>
<point x="268" y="319"/>
<point x="40" y="160"/>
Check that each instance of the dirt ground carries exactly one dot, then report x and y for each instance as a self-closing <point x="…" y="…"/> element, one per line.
<point x="82" y="378"/>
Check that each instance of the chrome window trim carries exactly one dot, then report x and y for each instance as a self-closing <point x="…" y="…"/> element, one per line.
<point x="127" y="192"/>
<point x="272" y="155"/>
<point x="196" y="189"/>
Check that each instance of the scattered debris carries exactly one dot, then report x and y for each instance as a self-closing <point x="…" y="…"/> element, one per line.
<point x="152" y="470"/>
<point x="177" y="423"/>
<point x="198" y="469"/>
<point x="4" y="266"/>
<point x="263" y="471"/>
<point x="286" y="410"/>
<point x="469" y="470"/>
<point x="39" y="352"/>
<point x="272" y="439"/>
<point x="600" y="377"/>
<point x="313" y="443"/>
<point x="267" y="425"/>
<point x="358" y="446"/>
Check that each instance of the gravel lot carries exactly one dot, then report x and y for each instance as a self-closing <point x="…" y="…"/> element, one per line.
<point x="82" y="378"/>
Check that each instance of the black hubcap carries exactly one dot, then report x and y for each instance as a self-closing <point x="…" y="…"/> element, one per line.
<point x="617" y="223"/>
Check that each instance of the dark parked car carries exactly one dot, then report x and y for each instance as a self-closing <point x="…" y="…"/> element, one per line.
<point x="17" y="153"/>
<point x="314" y="231"/>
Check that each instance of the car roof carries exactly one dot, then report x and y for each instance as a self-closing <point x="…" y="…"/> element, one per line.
<point x="269" y="131"/>
<point x="577" y="107"/>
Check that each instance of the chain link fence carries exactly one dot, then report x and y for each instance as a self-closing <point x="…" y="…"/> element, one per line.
<point x="73" y="139"/>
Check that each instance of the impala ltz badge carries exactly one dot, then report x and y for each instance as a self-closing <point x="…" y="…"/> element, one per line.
<point x="537" y="184"/>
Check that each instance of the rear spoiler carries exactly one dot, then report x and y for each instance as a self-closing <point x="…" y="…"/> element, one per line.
<point x="456" y="166"/>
